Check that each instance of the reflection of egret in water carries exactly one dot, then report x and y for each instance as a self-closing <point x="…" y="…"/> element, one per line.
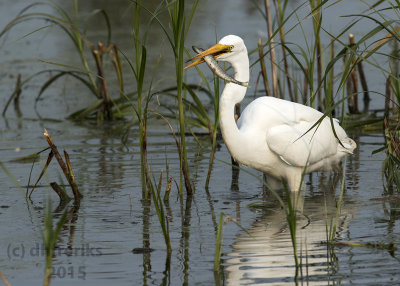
<point x="265" y="254"/>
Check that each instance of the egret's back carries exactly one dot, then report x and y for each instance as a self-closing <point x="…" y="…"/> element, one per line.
<point x="287" y="130"/>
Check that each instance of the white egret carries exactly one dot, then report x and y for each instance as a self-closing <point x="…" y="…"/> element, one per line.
<point x="271" y="134"/>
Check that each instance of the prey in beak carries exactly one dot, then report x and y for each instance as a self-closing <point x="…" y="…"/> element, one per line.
<point x="208" y="57"/>
<point x="214" y="51"/>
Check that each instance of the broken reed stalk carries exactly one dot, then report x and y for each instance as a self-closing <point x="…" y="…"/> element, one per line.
<point x="366" y="55"/>
<point x="102" y="83"/>
<point x="388" y="89"/>
<point x="272" y="49"/>
<point x="263" y="68"/>
<point x="354" y="97"/>
<point x="66" y="167"/>
<point x="363" y="81"/>
<point x="167" y="190"/>
<point x="353" y="80"/>
<point x="349" y="90"/>
<point x="116" y="59"/>
<point x="64" y="198"/>
<point x="378" y="45"/>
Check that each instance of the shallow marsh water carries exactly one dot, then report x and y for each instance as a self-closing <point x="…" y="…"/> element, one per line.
<point x="113" y="219"/>
<point x="96" y="247"/>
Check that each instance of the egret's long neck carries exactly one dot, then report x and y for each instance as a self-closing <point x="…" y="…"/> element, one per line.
<point x="231" y="95"/>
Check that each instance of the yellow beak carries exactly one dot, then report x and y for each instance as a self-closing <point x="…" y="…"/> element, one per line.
<point x="215" y="51"/>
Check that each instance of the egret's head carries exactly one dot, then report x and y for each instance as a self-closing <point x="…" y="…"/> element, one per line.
<point x="235" y="46"/>
<point x="226" y="50"/>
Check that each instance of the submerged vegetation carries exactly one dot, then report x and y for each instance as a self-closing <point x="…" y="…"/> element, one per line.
<point x="327" y="76"/>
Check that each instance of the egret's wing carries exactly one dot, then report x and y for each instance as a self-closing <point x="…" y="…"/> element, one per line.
<point x="298" y="148"/>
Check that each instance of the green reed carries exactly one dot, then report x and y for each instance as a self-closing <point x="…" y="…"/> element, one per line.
<point x="196" y="113"/>
<point x="316" y="13"/>
<point x="50" y="235"/>
<point x="334" y="223"/>
<point x="176" y="33"/>
<point x="158" y="204"/>
<point x="333" y="74"/>
<point x="180" y="23"/>
<point x="391" y="164"/>
<point x="141" y="109"/>
<point x="390" y="120"/>
<point x="307" y="58"/>
<point x="139" y="72"/>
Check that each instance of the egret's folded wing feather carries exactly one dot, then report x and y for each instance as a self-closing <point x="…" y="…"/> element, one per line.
<point x="298" y="148"/>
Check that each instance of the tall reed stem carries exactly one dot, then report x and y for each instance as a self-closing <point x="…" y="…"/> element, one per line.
<point x="103" y="89"/>
<point x="180" y="26"/>
<point x="272" y="49"/>
<point x="139" y="71"/>
<point x="317" y="21"/>
<point x="263" y="68"/>
<point x="280" y="13"/>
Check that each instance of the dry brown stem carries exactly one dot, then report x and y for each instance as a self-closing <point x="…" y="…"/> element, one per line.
<point x="263" y="68"/>
<point x="65" y="167"/>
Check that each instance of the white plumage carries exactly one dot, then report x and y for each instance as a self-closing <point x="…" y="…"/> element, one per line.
<point x="270" y="134"/>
